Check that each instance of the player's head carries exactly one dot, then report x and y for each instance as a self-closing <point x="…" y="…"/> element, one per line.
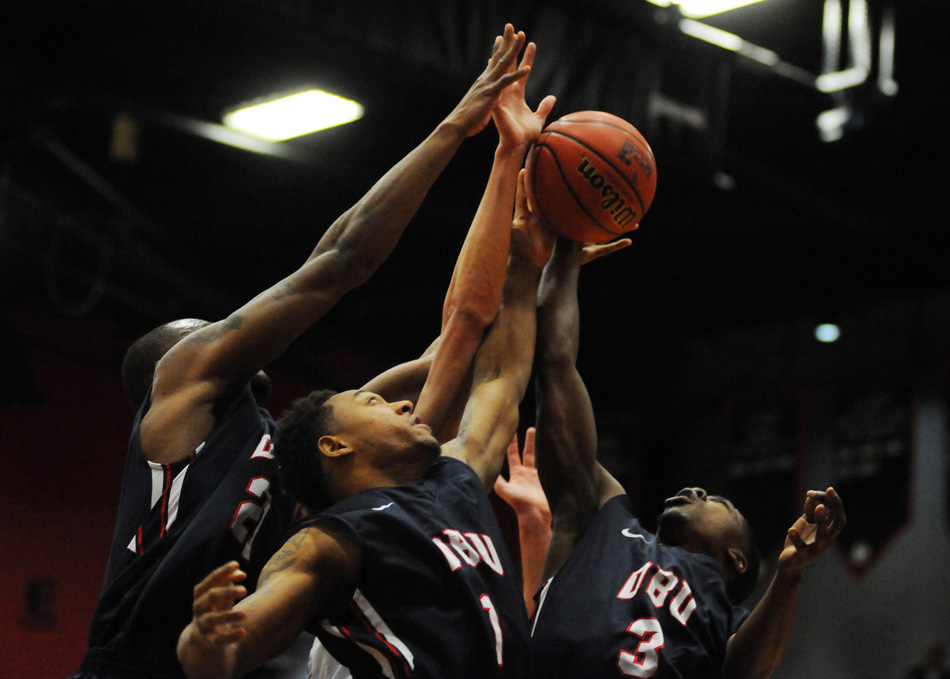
<point x="711" y="525"/>
<point x="344" y="441"/>
<point x="138" y="365"/>
<point x="295" y="448"/>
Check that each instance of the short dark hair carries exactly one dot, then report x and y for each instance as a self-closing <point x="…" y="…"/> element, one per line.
<point x="138" y="365"/>
<point x="741" y="586"/>
<point x="295" y="448"/>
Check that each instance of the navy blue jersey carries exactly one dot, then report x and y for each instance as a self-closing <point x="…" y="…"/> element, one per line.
<point x="438" y="595"/>
<point x="176" y="523"/>
<point x="624" y="605"/>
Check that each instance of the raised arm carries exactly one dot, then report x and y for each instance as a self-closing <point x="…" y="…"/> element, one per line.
<point x="312" y="574"/>
<point x="503" y="361"/>
<point x="575" y="483"/>
<point x="474" y="292"/>
<point x="756" y="649"/>
<point x="199" y="378"/>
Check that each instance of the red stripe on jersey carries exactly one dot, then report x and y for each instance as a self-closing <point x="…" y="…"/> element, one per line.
<point x="401" y="664"/>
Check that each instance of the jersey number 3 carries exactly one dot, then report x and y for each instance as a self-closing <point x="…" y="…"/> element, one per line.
<point x="644" y="661"/>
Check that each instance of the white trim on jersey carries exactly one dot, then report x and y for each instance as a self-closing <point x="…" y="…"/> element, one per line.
<point x="322" y="665"/>
<point x="541" y="596"/>
<point x="158" y="488"/>
<point x="377" y="626"/>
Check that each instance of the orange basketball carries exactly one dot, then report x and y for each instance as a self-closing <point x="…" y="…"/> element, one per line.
<point x="591" y="176"/>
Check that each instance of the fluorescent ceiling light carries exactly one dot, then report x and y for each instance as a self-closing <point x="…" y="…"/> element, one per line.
<point x="294" y="115"/>
<point x="831" y="123"/>
<point x="697" y="9"/>
<point x="841" y="80"/>
<point x="716" y="36"/>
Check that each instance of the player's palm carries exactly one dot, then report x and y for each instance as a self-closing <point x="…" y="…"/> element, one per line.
<point x="517" y="124"/>
<point x="522" y="491"/>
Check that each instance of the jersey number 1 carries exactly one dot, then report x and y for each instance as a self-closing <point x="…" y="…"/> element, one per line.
<point x="489" y="607"/>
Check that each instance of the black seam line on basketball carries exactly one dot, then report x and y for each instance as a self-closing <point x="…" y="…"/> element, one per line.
<point x="603" y="158"/>
<point x="577" y="199"/>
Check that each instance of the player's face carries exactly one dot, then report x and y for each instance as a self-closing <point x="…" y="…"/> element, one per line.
<point x="389" y="430"/>
<point x="706" y="524"/>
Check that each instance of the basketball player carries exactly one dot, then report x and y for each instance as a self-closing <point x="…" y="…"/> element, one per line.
<point x="406" y="574"/>
<point x="199" y="485"/>
<point x="469" y="308"/>
<point x="623" y="602"/>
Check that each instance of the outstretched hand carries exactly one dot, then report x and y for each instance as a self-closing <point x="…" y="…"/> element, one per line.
<point x="522" y="490"/>
<point x="517" y="124"/>
<point x="813" y="531"/>
<point x="215" y="622"/>
<point x="474" y="110"/>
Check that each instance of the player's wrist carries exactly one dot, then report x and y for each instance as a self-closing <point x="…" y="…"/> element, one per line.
<point x="789" y="576"/>
<point x="511" y="146"/>
<point x="452" y="129"/>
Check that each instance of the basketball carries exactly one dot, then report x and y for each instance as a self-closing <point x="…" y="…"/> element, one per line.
<point x="590" y="176"/>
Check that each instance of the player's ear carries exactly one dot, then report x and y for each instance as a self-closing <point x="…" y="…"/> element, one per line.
<point x="737" y="560"/>
<point x="333" y="446"/>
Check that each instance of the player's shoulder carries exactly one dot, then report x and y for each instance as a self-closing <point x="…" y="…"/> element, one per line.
<point x="317" y="545"/>
<point x="618" y="510"/>
<point x="448" y="466"/>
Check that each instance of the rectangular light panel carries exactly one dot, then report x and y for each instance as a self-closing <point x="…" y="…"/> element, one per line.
<point x="294" y="115"/>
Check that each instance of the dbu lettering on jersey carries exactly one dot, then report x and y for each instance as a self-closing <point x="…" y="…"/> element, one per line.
<point x="659" y="588"/>
<point x="471" y="549"/>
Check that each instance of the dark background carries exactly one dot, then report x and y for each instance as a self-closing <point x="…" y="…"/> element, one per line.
<point x="714" y="302"/>
<point x="190" y="227"/>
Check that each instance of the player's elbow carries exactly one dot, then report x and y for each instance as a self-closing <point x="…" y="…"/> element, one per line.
<point x="469" y="319"/>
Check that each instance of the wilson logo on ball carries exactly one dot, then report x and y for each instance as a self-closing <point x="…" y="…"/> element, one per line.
<point x="611" y="201"/>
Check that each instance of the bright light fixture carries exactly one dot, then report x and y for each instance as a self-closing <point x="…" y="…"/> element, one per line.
<point x="294" y="115"/>
<point x="831" y="123"/>
<point x="827" y="332"/>
<point x="697" y="9"/>
<point x="710" y="34"/>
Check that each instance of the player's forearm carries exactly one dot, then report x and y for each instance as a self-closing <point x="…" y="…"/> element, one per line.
<point x="515" y="328"/>
<point x="566" y="432"/>
<point x="558" y="311"/>
<point x="756" y="649"/>
<point x="477" y="281"/>
<point x="365" y="235"/>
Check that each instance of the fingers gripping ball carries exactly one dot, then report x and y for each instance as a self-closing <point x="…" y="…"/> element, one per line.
<point x="591" y="176"/>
